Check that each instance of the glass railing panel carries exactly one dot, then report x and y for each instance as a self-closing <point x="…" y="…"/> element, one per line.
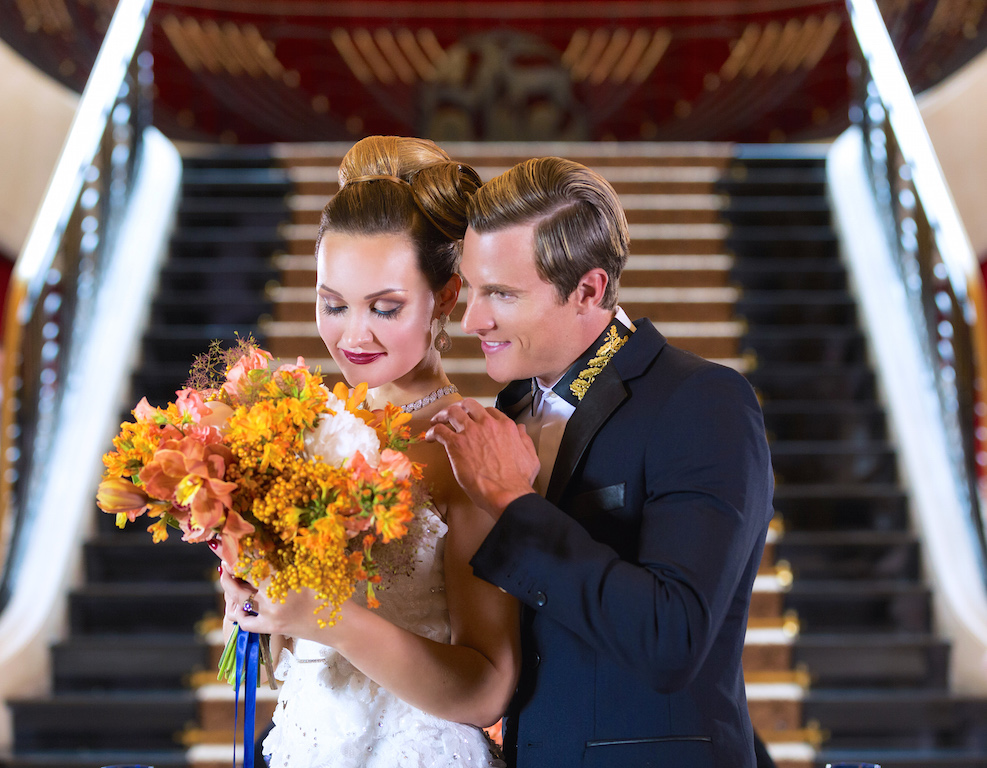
<point x="935" y="261"/>
<point x="55" y="279"/>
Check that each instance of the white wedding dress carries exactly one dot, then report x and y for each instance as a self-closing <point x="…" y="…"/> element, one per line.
<point x="331" y="715"/>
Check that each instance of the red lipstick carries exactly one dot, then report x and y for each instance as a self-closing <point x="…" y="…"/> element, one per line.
<point x="362" y="358"/>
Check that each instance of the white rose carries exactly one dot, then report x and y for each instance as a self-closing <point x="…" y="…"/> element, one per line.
<point x="336" y="438"/>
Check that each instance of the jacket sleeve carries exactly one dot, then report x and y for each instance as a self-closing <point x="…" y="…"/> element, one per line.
<point x="706" y="504"/>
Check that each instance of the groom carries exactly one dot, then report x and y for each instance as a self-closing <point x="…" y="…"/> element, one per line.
<point x="631" y="522"/>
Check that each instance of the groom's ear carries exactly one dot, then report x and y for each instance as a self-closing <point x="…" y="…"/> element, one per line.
<point x="590" y="290"/>
<point x="447" y="295"/>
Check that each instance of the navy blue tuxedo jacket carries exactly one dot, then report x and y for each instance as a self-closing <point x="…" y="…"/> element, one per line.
<point x="635" y="571"/>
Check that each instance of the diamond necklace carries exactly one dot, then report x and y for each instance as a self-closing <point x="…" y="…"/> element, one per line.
<point x="431" y="397"/>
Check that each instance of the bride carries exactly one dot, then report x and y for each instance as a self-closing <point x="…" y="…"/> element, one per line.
<point x="412" y="682"/>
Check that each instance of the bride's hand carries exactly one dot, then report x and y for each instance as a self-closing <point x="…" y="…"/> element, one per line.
<point x="295" y="617"/>
<point x="237" y="593"/>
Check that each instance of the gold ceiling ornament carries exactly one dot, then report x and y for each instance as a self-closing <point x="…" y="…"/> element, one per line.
<point x="773" y="47"/>
<point x="222" y="49"/>
<point x="386" y="57"/>
<point x="50" y="16"/>
<point x="614" y="55"/>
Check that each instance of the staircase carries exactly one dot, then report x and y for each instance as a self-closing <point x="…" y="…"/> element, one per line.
<point x="877" y="672"/>
<point x="733" y="258"/>
<point x="120" y="679"/>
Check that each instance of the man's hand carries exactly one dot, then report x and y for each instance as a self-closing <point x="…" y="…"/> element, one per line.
<point x="493" y="458"/>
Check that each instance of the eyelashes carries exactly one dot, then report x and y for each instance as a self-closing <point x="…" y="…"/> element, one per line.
<point x="329" y="310"/>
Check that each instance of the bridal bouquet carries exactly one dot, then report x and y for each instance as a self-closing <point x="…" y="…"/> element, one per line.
<point x="292" y="483"/>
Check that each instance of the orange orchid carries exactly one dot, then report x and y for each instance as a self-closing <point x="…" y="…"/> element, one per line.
<point x="190" y="475"/>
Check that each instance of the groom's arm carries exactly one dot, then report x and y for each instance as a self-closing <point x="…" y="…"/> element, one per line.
<point x="706" y="503"/>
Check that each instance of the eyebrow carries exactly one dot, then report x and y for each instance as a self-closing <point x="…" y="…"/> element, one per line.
<point x="376" y="295"/>
<point x="499" y="288"/>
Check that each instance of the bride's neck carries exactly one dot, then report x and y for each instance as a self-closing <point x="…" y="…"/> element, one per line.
<point x="425" y="378"/>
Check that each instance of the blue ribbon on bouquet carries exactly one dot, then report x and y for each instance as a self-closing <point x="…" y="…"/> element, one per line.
<point x="247" y="667"/>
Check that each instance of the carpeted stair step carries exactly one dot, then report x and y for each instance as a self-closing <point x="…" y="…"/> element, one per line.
<point x="322" y="182"/>
<point x="808" y="306"/>
<point x="93" y="758"/>
<point x="818" y="461"/>
<point x="243" y="211"/>
<point x="764" y="181"/>
<point x="143" y="662"/>
<point x="717" y="341"/>
<point x="848" y="605"/>
<point x="141" y="607"/>
<point x="828" y="506"/>
<point x="876" y="660"/>
<point x="850" y="554"/>
<point x="811" y="210"/>
<point x="230" y="306"/>
<point x="663" y="305"/>
<point x="234" y="182"/>
<point x="782" y="242"/>
<point x="756" y="274"/>
<point x="823" y="419"/>
<point x="112" y="557"/>
<point x="822" y="383"/>
<point x="182" y="342"/>
<point x="805" y="344"/>
<point x="208" y="242"/>
<point x="649" y="271"/>
<point x="132" y="720"/>
<point x="915" y="719"/>
<point x="244" y="272"/>
<point x="947" y="757"/>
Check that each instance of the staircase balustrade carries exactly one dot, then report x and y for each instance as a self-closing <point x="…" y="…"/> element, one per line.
<point x="57" y="274"/>
<point x="936" y="264"/>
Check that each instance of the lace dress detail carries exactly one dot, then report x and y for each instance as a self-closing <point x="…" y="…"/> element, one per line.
<point x="331" y="715"/>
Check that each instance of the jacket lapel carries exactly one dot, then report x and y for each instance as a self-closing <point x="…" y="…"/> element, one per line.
<point x="513" y="398"/>
<point x="601" y="400"/>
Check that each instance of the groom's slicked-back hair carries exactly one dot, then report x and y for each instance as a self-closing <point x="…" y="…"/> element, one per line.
<point x="579" y="222"/>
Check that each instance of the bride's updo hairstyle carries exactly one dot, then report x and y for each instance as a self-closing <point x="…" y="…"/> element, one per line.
<point x="397" y="185"/>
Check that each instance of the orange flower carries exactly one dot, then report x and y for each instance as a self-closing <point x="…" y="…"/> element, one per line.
<point x="256" y="359"/>
<point x="234" y="529"/>
<point x="190" y="475"/>
<point x="391" y="520"/>
<point x="122" y="498"/>
<point x="397" y="463"/>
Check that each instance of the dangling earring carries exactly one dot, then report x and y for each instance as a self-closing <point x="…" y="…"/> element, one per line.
<point x="442" y="343"/>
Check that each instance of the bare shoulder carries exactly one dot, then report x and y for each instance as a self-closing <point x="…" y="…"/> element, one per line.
<point x="439" y="477"/>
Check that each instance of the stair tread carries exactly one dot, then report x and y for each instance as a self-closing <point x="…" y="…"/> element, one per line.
<point x="869" y="640"/>
<point x="115" y="589"/>
<point x="823" y="490"/>
<point x="846" y="537"/>
<point x="88" y="758"/>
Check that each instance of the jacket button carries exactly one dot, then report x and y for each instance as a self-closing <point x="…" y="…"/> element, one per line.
<point x="537" y="659"/>
<point x="540" y="599"/>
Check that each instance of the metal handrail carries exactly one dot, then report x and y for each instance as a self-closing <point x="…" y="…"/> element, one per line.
<point x="56" y="274"/>
<point x="936" y="262"/>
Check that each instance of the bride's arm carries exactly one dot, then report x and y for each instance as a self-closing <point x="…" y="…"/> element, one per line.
<point x="470" y="680"/>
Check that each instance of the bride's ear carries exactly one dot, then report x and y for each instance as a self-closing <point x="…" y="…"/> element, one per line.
<point x="447" y="295"/>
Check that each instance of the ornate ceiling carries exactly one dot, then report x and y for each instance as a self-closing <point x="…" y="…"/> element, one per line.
<point x="303" y="70"/>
